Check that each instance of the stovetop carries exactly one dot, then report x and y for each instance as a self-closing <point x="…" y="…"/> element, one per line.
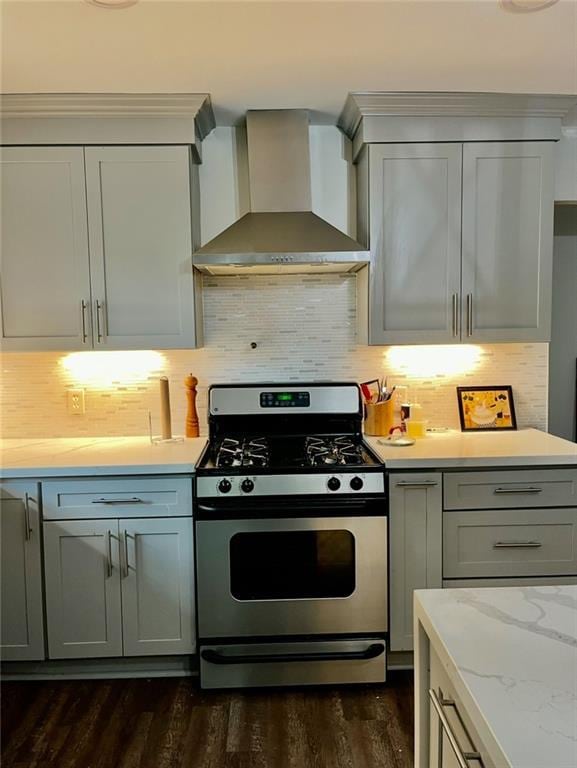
<point x="278" y="453"/>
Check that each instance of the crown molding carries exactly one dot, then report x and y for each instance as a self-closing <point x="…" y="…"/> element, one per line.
<point x="194" y="106"/>
<point x="470" y="105"/>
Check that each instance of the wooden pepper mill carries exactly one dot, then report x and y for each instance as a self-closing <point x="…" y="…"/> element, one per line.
<point x="190" y="383"/>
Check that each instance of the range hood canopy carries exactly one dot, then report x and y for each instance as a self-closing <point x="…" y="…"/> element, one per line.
<point x="280" y="233"/>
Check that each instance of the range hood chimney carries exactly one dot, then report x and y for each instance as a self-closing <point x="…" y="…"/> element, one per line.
<point x="280" y="233"/>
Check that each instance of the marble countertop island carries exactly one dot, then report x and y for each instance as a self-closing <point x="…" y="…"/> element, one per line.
<point x="511" y="654"/>
<point x="454" y="449"/>
<point x="74" y="456"/>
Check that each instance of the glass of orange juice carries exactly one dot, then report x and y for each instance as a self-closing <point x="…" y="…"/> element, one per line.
<point x="416" y="428"/>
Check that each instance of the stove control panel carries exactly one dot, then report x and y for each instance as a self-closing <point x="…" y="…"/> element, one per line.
<point x="285" y="399"/>
<point x="291" y="485"/>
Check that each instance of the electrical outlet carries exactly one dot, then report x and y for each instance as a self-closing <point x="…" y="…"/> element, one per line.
<point x="75" y="400"/>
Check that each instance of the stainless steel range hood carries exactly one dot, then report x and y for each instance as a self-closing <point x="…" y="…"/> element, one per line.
<point x="280" y="233"/>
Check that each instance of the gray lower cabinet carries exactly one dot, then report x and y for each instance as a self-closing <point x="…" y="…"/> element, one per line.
<point x="509" y="542"/>
<point x="157" y="586"/>
<point x="119" y="587"/>
<point x="415" y="515"/>
<point x="22" y="628"/>
<point x="82" y="574"/>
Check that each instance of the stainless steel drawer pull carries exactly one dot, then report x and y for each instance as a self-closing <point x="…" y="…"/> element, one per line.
<point x="517" y="545"/>
<point x="416" y="484"/>
<point x="132" y="500"/>
<point x="463" y="758"/>
<point x="27" y="526"/>
<point x="527" y="489"/>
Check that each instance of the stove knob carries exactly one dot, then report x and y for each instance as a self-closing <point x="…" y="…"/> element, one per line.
<point x="333" y="483"/>
<point x="224" y="486"/>
<point x="356" y="483"/>
<point x="246" y="486"/>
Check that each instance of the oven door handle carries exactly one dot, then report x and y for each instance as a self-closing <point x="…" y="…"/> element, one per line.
<point x="216" y="657"/>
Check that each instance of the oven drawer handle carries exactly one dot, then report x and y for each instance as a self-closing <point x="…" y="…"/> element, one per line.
<point x="216" y="657"/>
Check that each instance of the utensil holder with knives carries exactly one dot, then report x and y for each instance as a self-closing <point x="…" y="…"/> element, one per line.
<point x="379" y="418"/>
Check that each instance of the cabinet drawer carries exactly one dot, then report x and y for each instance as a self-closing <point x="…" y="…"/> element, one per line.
<point x="117" y="497"/>
<point x="510" y="490"/>
<point x="515" y="542"/>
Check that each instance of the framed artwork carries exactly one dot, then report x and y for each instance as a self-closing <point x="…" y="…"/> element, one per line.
<point x="486" y="408"/>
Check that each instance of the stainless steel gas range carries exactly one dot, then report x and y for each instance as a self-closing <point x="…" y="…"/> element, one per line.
<point x="291" y="539"/>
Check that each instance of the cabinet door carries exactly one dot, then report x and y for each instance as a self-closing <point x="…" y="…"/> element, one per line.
<point x="415" y="232"/>
<point x="157" y="586"/>
<point x="81" y="564"/>
<point x="22" y="629"/>
<point x="507" y="241"/>
<point x="139" y="216"/>
<point x="415" y="518"/>
<point x="44" y="245"/>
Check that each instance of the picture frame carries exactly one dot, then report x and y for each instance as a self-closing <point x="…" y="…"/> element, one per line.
<point x="486" y="409"/>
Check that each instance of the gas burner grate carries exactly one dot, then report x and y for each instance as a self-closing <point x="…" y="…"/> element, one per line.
<point x="326" y="451"/>
<point x="252" y="452"/>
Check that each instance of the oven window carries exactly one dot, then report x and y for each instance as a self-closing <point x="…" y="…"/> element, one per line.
<point x="292" y="565"/>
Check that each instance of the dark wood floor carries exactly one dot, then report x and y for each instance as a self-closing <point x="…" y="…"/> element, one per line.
<point x="169" y="723"/>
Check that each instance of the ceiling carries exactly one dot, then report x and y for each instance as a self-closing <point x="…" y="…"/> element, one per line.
<point x="284" y="53"/>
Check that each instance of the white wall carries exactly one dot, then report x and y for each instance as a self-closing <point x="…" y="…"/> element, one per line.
<point x="224" y="185"/>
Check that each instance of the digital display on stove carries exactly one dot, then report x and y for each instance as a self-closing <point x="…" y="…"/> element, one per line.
<point x="285" y="399"/>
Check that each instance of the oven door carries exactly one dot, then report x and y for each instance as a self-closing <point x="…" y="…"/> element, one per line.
<point x="278" y="576"/>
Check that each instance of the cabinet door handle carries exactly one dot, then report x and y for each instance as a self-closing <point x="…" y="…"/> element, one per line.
<point x="455" y="314"/>
<point x="463" y="758"/>
<point x="83" y="306"/>
<point x="109" y="554"/>
<point x="132" y="500"/>
<point x="99" y="321"/>
<point x="126" y="566"/>
<point x="27" y="526"/>
<point x="517" y="545"/>
<point x="527" y="489"/>
<point x="469" y="314"/>
<point x="416" y="483"/>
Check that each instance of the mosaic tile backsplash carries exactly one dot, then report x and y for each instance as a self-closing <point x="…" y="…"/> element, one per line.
<point x="304" y="328"/>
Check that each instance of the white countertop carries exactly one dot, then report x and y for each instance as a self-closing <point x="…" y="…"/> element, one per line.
<point x="73" y="456"/>
<point x="453" y="449"/>
<point x="511" y="652"/>
<point x="51" y="457"/>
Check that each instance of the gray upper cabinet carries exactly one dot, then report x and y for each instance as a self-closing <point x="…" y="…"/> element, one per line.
<point x="507" y="241"/>
<point x="415" y="233"/>
<point x="22" y="628"/>
<point x="139" y="217"/>
<point x="461" y="242"/>
<point x="45" y="275"/>
<point x="97" y="248"/>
